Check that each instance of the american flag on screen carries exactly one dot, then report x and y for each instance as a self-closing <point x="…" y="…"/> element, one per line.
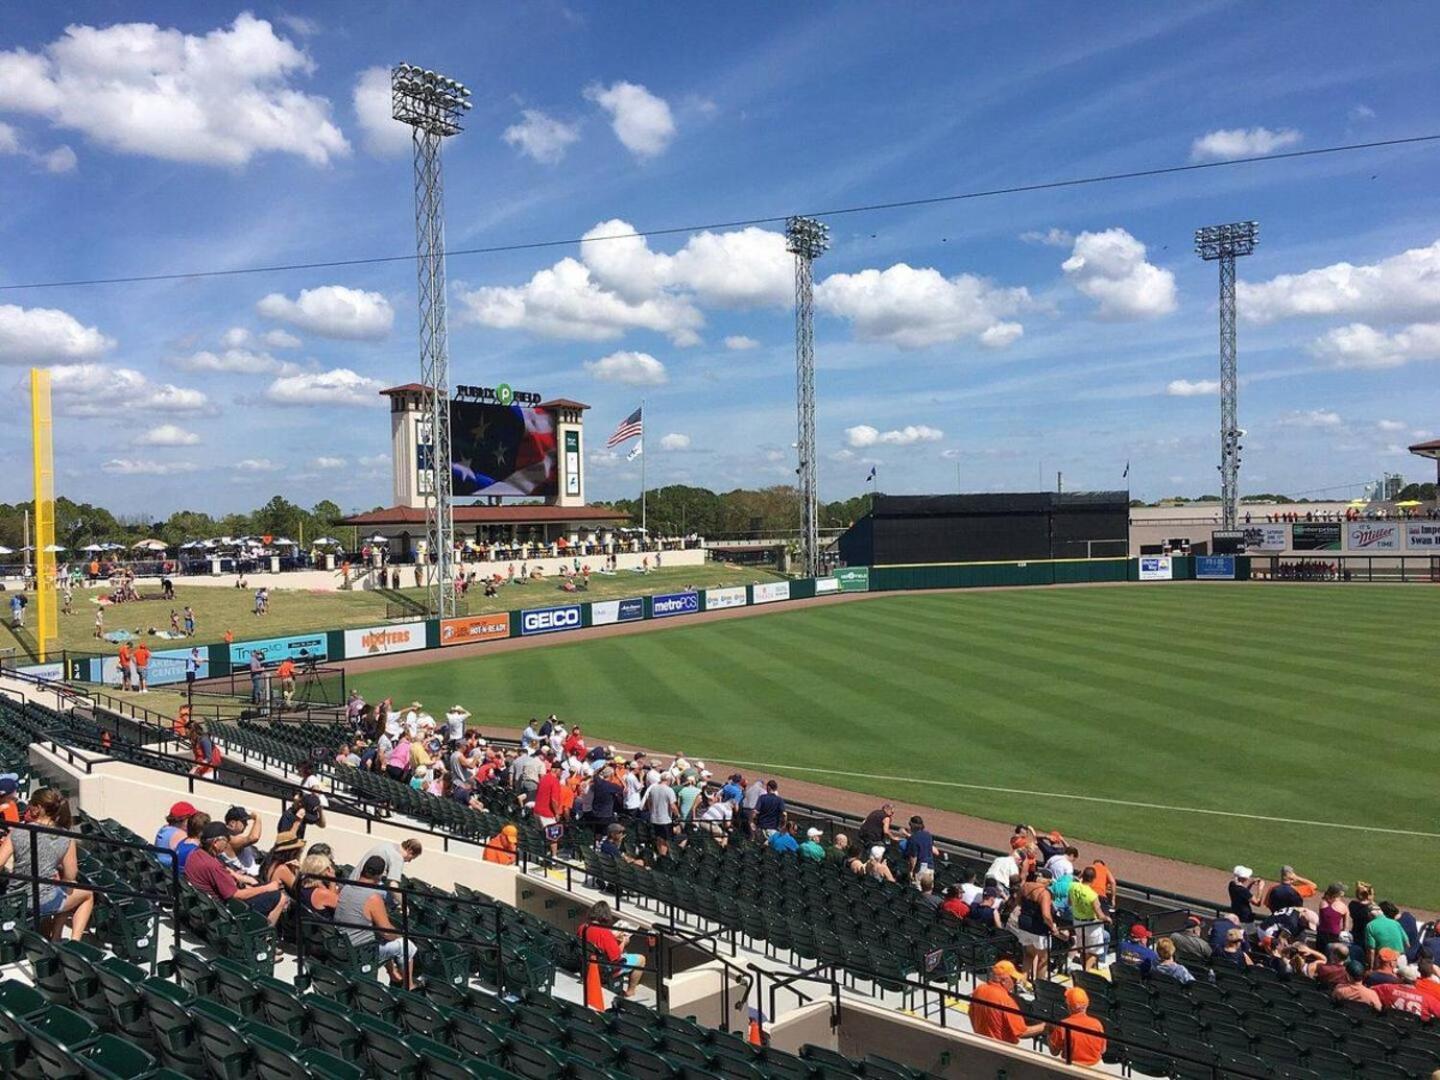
<point x="502" y="450"/>
<point x="631" y="427"/>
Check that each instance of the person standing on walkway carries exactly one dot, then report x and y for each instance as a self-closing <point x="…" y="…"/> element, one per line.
<point x="257" y="678"/>
<point x="141" y="659"/>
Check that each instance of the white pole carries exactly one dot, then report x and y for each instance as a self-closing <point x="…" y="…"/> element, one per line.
<point x="643" y="526"/>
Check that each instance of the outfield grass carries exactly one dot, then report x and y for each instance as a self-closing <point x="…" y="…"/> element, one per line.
<point x="294" y="611"/>
<point x="1311" y="703"/>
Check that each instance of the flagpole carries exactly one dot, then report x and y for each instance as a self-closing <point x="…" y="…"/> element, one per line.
<point x="643" y="528"/>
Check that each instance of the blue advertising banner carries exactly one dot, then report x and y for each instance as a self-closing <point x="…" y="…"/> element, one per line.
<point x="273" y="650"/>
<point x="1215" y="567"/>
<point x="166" y="666"/>
<point x="687" y="603"/>
<point x="550" y="620"/>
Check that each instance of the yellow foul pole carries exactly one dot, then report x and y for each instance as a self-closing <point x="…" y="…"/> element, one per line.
<point x="41" y="430"/>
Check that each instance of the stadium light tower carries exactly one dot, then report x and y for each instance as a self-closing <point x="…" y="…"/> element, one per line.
<point x="807" y="239"/>
<point x="1223" y="244"/>
<point x="432" y="105"/>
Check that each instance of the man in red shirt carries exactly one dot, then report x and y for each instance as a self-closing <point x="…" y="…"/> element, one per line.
<point x="1429" y="982"/>
<point x="205" y="871"/>
<point x="604" y="945"/>
<point x="954" y="904"/>
<point x="994" y="1012"/>
<point x="574" y="745"/>
<point x="549" y="800"/>
<point x="1403" y="996"/>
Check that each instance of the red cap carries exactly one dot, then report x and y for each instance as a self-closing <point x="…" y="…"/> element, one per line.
<point x="1055" y="836"/>
<point x="1018" y="842"/>
<point x="1140" y="932"/>
<point x="1388" y="955"/>
<point x="182" y="809"/>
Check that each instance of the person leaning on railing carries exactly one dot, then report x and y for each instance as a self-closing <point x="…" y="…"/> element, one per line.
<point x="46" y="855"/>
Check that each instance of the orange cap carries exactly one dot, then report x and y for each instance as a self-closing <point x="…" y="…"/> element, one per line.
<point x="1076" y="998"/>
<point x="1005" y="968"/>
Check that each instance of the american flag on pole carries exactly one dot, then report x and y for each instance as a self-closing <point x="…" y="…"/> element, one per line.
<point x="631" y="427"/>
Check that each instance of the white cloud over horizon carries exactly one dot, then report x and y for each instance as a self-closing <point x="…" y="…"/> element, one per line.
<point x="541" y="137"/>
<point x="1229" y="143"/>
<point x="913" y="308"/>
<point x="166" y="435"/>
<point x="641" y="121"/>
<point x="332" y="311"/>
<point x="630" y="368"/>
<point x="1110" y="268"/>
<point x="864" y="435"/>
<point x="47" y="335"/>
<point x="338" y="386"/>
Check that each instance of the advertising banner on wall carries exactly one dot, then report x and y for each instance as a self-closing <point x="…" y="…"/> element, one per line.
<point x="1155" y="568"/>
<point x="550" y="620"/>
<point x="1423" y="535"/>
<point x="468" y="630"/>
<point x="716" y="599"/>
<point x="770" y="592"/>
<point x="826" y="585"/>
<point x="1266" y="537"/>
<point x="54" y="672"/>
<point x="1315" y="536"/>
<point x="663" y="606"/>
<point x="166" y="666"/>
<point x="273" y="650"/>
<point x="1372" y="536"/>
<point x="379" y="640"/>
<point x="608" y="612"/>
<point x="1215" y="567"/>
<point x="853" y="578"/>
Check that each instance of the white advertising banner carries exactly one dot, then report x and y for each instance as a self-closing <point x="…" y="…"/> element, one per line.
<point x="1372" y="536"/>
<point x="1156" y="568"/>
<point x="716" y="599"/>
<point x="1423" y="535"/>
<point x="379" y="640"/>
<point x="771" y="591"/>
<point x="1266" y="537"/>
<point x="826" y="585"/>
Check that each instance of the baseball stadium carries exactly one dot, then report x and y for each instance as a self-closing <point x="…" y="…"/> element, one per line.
<point x="510" y="776"/>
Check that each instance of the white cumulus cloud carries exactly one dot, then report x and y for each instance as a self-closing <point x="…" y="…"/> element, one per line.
<point x="1311" y="418"/>
<point x="1361" y="346"/>
<point x="1187" y="388"/>
<point x="45" y="335"/>
<point x="280" y="339"/>
<point x="1051" y="237"/>
<point x="166" y="435"/>
<point x="1391" y="425"/>
<point x="1404" y="286"/>
<point x="675" y="441"/>
<point x="740" y="342"/>
<point x="384" y="136"/>
<point x="541" y="137"/>
<point x="914" y="308"/>
<point x="641" y="121"/>
<point x="1110" y="268"/>
<point x="630" y="368"/>
<point x="863" y="435"/>
<point x="137" y="88"/>
<point x="238" y="360"/>
<point x="744" y="268"/>
<point x="141" y="467"/>
<point x="255" y="465"/>
<point x="113" y="392"/>
<point x="333" y="311"/>
<point x="338" y="386"/>
<point x="328" y="463"/>
<point x="1228" y="143"/>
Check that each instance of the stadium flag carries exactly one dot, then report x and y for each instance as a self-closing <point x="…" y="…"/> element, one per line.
<point x="871" y="476"/>
<point x="1126" y="473"/>
<point x="632" y="427"/>
<point x="636" y="451"/>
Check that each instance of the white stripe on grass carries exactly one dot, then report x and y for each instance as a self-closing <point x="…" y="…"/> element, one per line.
<point x="1082" y="798"/>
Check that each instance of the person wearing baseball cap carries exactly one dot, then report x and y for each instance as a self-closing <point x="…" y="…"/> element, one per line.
<point x="1136" y="951"/>
<point x="1189" y="941"/>
<point x="994" y="1012"/>
<point x="205" y="871"/>
<point x="1243" y="888"/>
<point x="173" y="831"/>
<point x="812" y="848"/>
<point x="9" y="799"/>
<point x="1080" y="1038"/>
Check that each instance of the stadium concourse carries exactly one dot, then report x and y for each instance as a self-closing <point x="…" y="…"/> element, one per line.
<point x="374" y="890"/>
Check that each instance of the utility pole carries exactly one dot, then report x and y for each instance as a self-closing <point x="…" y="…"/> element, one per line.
<point x="432" y="105"/>
<point x="1223" y="244"/>
<point x="807" y="239"/>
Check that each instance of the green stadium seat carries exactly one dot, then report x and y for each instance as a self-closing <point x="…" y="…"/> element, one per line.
<point x="167" y="1011"/>
<point x="110" y="1057"/>
<point x="475" y="1036"/>
<point x="386" y="1050"/>
<point x="236" y="987"/>
<point x="226" y="1052"/>
<point x="331" y="1026"/>
<point x="55" y="1039"/>
<point x="44" y="959"/>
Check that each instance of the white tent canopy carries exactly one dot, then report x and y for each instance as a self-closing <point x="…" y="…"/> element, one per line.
<point x="327" y="541"/>
<point x="149" y="545"/>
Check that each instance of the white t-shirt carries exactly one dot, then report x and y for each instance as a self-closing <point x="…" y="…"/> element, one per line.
<point x="633" y="791"/>
<point x="1060" y="866"/>
<point x="412" y="725"/>
<point x="455" y="725"/>
<point x="1002" y="870"/>
<point x="970" y="892"/>
<point x="719" y="810"/>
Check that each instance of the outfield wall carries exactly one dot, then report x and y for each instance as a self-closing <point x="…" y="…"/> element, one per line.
<point x="569" y="612"/>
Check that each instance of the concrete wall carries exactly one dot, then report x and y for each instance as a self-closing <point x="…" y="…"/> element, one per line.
<point x="868" y="1029"/>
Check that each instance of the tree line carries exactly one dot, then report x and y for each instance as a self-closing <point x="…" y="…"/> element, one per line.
<point x="679" y="510"/>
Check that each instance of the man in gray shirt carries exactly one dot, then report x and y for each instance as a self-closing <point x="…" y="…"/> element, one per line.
<point x="361" y="915"/>
<point x="395" y="856"/>
<point x="525" y="774"/>
<point x="747" y="805"/>
<point x="659" y="807"/>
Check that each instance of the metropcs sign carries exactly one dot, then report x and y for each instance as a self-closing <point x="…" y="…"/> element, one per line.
<point x="674" y="604"/>
<point x="550" y="620"/>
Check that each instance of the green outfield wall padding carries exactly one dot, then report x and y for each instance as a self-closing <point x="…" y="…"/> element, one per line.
<point x="217" y="659"/>
<point x="432" y="633"/>
<point x="335" y="644"/>
<point x="802" y="589"/>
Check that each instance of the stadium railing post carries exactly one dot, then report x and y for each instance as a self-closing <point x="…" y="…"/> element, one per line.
<point x="35" y="883"/>
<point x="499" y="952"/>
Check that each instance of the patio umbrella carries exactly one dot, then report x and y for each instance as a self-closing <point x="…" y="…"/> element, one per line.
<point x="93" y="547"/>
<point x="52" y="548"/>
<point x="1409" y="502"/>
<point x="377" y="539"/>
<point x="149" y="545"/>
<point x="327" y="541"/>
<point x="281" y="541"/>
<point x="6" y="551"/>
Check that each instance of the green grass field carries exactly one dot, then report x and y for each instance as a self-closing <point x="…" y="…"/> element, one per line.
<point x="296" y="611"/>
<point x="1306" y="703"/>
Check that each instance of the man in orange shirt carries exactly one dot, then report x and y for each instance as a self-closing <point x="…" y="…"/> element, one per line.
<point x="9" y="800"/>
<point x="286" y="671"/>
<point x="123" y="659"/>
<point x="994" y="1012"/>
<point x="1104" y="882"/>
<point x="1080" y="1037"/>
<point x="142" y="666"/>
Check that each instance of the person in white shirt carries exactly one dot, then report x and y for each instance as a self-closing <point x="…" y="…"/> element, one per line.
<point x="1003" y="869"/>
<point x="970" y="892"/>
<point x="529" y="737"/>
<point x="1062" y="865"/>
<point x="412" y="721"/>
<point x="634" y="789"/>
<point x="455" y="723"/>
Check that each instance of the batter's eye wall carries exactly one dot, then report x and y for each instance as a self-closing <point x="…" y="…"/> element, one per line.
<point x="913" y="529"/>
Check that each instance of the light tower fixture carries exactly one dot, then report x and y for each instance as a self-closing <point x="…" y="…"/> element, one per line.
<point x="1224" y="244"/>
<point x="807" y="239"/>
<point x="432" y="105"/>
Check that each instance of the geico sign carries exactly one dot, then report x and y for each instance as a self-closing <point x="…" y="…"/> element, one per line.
<point x="548" y="620"/>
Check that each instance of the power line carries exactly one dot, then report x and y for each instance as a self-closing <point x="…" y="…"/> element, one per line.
<point x="773" y="219"/>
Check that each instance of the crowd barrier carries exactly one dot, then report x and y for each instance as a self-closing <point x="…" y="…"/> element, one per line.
<point x="568" y="612"/>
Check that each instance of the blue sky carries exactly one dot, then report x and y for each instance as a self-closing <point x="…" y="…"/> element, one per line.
<point x="986" y="343"/>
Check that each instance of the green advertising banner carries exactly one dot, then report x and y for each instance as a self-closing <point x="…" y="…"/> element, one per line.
<point x="853" y="578"/>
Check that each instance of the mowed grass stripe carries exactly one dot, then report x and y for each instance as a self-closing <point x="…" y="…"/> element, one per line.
<point x="1299" y="702"/>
